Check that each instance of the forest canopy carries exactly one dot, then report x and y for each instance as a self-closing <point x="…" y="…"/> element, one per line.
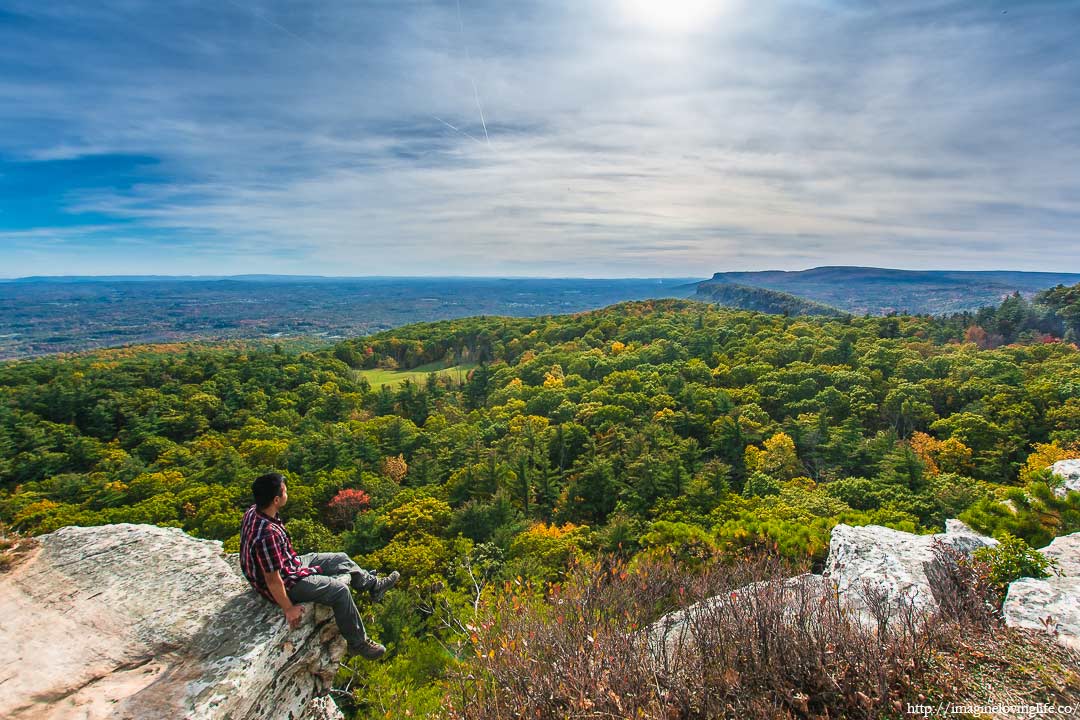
<point x="646" y="427"/>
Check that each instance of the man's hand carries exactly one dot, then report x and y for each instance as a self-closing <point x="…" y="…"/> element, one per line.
<point x="293" y="615"/>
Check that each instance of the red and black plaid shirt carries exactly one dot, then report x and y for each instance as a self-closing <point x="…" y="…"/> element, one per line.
<point x="265" y="547"/>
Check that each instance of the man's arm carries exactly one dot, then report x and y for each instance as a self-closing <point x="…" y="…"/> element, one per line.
<point x="276" y="587"/>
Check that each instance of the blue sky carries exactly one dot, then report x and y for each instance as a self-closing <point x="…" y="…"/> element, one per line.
<point x="599" y="138"/>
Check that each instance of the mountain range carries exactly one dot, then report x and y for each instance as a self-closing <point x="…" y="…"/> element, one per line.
<point x="879" y="291"/>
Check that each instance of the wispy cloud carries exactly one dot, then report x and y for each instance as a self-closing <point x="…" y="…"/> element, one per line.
<point x="347" y="138"/>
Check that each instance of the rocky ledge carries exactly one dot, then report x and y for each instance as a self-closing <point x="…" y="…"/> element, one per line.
<point x="874" y="565"/>
<point x="137" y="621"/>
<point x="901" y="569"/>
<point x="1050" y="604"/>
<point x="1053" y="604"/>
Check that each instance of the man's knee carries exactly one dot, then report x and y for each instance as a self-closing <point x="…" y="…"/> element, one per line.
<point x="335" y="563"/>
<point x="338" y="591"/>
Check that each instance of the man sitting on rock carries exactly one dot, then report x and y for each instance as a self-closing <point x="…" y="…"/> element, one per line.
<point x="280" y="575"/>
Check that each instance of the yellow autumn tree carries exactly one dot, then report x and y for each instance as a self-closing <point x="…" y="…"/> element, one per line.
<point x="544" y="550"/>
<point x="554" y="377"/>
<point x="954" y="457"/>
<point x="778" y="459"/>
<point x="926" y="447"/>
<point x="938" y="456"/>
<point x="1044" y="455"/>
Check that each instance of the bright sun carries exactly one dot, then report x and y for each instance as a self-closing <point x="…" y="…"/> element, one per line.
<point x="673" y="15"/>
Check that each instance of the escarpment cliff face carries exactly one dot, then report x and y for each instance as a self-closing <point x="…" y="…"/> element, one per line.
<point x="137" y="621"/>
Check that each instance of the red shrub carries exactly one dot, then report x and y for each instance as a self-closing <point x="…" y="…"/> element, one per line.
<point x="346" y="505"/>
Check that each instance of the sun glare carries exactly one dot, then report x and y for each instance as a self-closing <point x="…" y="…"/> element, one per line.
<point x="673" y="15"/>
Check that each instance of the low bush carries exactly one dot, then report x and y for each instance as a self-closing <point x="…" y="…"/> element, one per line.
<point x="757" y="643"/>
<point x="1011" y="559"/>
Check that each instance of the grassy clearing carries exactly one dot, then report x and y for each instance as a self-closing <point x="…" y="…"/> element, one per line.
<point x="393" y="378"/>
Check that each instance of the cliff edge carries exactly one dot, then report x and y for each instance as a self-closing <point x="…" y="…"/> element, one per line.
<point x="137" y="621"/>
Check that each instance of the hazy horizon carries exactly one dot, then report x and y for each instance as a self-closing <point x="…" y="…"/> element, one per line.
<point x="703" y="276"/>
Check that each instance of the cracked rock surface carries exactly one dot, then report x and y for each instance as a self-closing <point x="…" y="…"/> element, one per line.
<point x="1050" y="604"/>
<point x="899" y="567"/>
<point x="867" y="565"/>
<point x="140" y="622"/>
<point x="1068" y="474"/>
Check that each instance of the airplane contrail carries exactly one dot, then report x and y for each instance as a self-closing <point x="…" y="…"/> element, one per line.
<point x="271" y="23"/>
<point x="483" y="123"/>
<point x="468" y="60"/>
<point x="457" y="129"/>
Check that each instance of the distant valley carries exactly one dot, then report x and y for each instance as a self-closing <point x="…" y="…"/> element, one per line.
<point x="40" y="316"/>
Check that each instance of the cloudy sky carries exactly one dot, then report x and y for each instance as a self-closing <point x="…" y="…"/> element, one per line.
<point x="593" y="138"/>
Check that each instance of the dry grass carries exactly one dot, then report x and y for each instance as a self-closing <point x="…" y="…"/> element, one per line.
<point x="1003" y="666"/>
<point x="763" y="648"/>
<point x="12" y="548"/>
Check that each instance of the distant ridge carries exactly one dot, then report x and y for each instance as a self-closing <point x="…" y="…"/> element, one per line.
<point x="112" y="278"/>
<point x="870" y="290"/>
<point x="855" y="272"/>
<point x="746" y="297"/>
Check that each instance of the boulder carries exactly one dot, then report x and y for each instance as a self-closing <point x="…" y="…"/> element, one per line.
<point x="1065" y="550"/>
<point x="876" y="572"/>
<point x="1069" y="472"/>
<point x="880" y="572"/>
<point x="1050" y="604"/>
<point x="676" y="630"/>
<point x="136" y="621"/>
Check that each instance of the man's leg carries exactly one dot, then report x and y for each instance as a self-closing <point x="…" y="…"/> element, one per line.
<point x="338" y="564"/>
<point x="328" y="591"/>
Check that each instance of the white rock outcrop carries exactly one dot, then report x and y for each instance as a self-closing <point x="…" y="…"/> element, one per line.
<point x="1051" y="604"/>
<point x="873" y="565"/>
<point x="1065" y="551"/>
<point x="868" y="565"/>
<point x="1069" y="472"/>
<point x="141" y="622"/>
<point x="801" y="595"/>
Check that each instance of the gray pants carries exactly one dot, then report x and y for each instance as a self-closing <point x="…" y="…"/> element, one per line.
<point x="326" y="589"/>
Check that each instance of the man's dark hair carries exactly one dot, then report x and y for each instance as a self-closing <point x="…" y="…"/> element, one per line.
<point x="266" y="488"/>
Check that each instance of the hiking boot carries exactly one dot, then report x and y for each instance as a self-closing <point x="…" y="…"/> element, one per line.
<point x="369" y="650"/>
<point x="382" y="585"/>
